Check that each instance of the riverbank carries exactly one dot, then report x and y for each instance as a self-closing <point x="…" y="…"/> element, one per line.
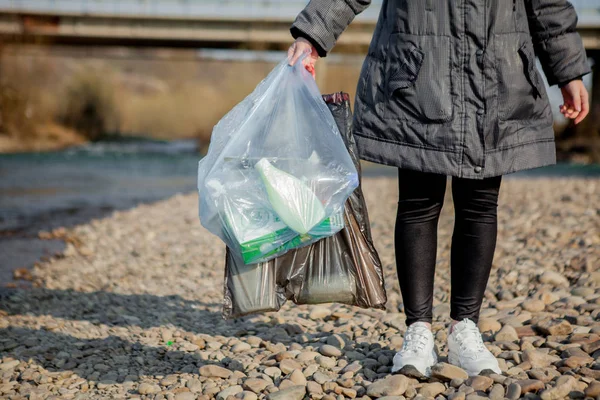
<point x="131" y="309"/>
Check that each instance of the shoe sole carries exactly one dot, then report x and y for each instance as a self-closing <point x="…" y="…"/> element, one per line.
<point x="412" y="371"/>
<point x="453" y="359"/>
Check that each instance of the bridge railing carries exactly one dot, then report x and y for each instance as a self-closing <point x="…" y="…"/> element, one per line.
<point x="588" y="10"/>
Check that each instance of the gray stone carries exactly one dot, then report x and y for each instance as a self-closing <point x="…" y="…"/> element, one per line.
<point x="563" y="387"/>
<point x="214" y="371"/>
<point x="554" y="278"/>
<point x="245" y="395"/>
<point x="8" y="365"/>
<point x="330" y="351"/>
<point x="497" y="392"/>
<point x="326" y="362"/>
<point x="513" y="391"/>
<point x="318" y="313"/>
<point x="230" y="391"/>
<point x="321" y="378"/>
<point x="240" y="347"/>
<point x="392" y="398"/>
<point x="530" y="385"/>
<point x="102" y="367"/>
<point x="291" y="393"/>
<point x="457" y="396"/>
<point x="394" y="385"/>
<point x="338" y="340"/>
<point x="593" y="389"/>
<point x="489" y="325"/>
<point x="432" y="389"/>
<point x="476" y="396"/>
<point x="533" y="305"/>
<point x="307" y="356"/>
<point x="456" y="382"/>
<point x="539" y="359"/>
<point x="352" y="367"/>
<point x="148" y="388"/>
<point x="185" y="396"/>
<point x="554" y="327"/>
<point x="194" y="385"/>
<point x="507" y="333"/>
<point x="354" y="355"/>
<point x="288" y="365"/>
<point x="447" y="372"/>
<point x="255" y="385"/>
<point x="314" y="387"/>
<point x="310" y="370"/>
<point x="273" y="372"/>
<point x="168" y="380"/>
<point x="297" y="377"/>
<point x="480" y="382"/>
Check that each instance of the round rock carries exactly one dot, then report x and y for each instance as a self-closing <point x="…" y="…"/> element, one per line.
<point x="330" y="351"/>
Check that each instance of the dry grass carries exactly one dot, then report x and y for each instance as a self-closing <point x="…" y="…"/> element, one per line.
<point x="189" y="106"/>
<point x="88" y="103"/>
<point x="27" y="109"/>
<point x="47" y="137"/>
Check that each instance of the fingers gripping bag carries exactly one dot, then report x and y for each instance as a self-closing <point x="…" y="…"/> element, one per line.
<point x="277" y="172"/>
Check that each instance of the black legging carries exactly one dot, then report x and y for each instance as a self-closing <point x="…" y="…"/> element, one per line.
<point x="473" y="241"/>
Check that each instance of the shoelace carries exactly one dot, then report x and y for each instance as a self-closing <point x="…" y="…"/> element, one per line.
<point x="415" y="339"/>
<point x="469" y="339"/>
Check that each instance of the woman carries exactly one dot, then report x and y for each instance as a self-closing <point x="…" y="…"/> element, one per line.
<point x="451" y="88"/>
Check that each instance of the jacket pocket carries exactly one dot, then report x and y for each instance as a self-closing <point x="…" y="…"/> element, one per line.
<point x="417" y="81"/>
<point x="528" y="57"/>
<point x="521" y="91"/>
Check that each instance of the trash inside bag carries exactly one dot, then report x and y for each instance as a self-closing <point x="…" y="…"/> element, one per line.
<point x="277" y="172"/>
<point x="343" y="268"/>
<point x="294" y="202"/>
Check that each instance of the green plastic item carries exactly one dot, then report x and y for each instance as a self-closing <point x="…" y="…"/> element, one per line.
<point x="293" y="201"/>
<point x="326" y="228"/>
<point x="259" y="244"/>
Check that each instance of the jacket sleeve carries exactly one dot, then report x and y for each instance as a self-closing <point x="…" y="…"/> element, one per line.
<point x="323" y="21"/>
<point x="552" y="24"/>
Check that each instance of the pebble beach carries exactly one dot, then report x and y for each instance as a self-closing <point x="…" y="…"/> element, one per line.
<point x="131" y="309"/>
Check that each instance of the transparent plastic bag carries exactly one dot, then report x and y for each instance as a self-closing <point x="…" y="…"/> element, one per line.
<point x="277" y="172"/>
<point x="343" y="268"/>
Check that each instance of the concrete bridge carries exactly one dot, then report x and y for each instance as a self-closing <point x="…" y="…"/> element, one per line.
<point x="261" y="24"/>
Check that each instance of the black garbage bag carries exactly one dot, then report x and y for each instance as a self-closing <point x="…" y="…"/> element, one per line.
<point x="343" y="268"/>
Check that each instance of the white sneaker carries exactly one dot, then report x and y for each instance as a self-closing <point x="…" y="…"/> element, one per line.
<point x="467" y="351"/>
<point x="417" y="350"/>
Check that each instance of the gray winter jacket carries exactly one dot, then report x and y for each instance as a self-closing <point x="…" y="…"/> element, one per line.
<point x="451" y="86"/>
